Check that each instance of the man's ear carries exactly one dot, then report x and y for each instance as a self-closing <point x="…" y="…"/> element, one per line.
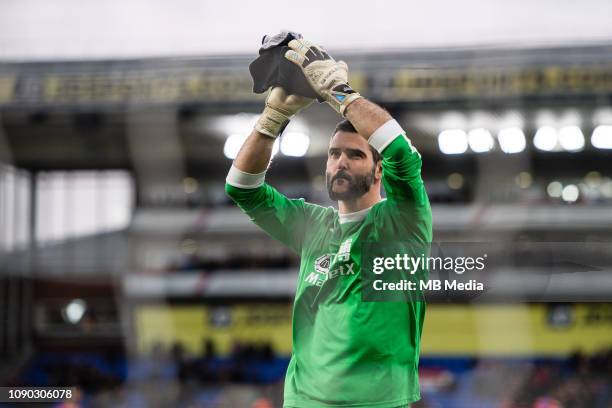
<point x="378" y="173"/>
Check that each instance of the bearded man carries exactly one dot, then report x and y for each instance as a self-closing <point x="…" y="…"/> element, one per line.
<point x="346" y="352"/>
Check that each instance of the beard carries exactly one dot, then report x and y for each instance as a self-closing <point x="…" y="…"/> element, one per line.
<point x="358" y="185"/>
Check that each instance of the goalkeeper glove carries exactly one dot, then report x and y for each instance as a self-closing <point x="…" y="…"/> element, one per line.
<point x="328" y="77"/>
<point x="279" y="108"/>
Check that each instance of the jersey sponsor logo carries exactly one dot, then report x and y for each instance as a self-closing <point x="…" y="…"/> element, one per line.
<point x="313" y="279"/>
<point x="323" y="264"/>
<point x="342" y="270"/>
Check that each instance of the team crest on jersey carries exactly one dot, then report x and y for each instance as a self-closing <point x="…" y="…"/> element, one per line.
<point x="344" y="253"/>
<point x="321" y="264"/>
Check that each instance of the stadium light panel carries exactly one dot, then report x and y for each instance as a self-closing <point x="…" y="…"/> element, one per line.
<point x="570" y="193"/>
<point x="74" y="311"/>
<point x="511" y="140"/>
<point x="275" y="148"/>
<point x="593" y="179"/>
<point x="554" y="189"/>
<point x="453" y="141"/>
<point x="480" y="140"/>
<point x="294" y="144"/>
<point x="232" y="146"/>
<point x="455" y="181"/>
<point x="546" y="138"/>
<point x="571" y="138"/>
<point x="602" y="137"/>
<point x="234" y="142"/>
<point x="524" y="179"/>
<point x="606" y="189"/>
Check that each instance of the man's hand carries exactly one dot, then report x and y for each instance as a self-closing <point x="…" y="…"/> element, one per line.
<point x="279" y="109"/>
<point x="328" y="77"/>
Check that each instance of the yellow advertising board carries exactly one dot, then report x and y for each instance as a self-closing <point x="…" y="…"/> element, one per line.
<point x="223" y="325"/>
<point x="517" y="330"/>
<point x="484" y="330"/>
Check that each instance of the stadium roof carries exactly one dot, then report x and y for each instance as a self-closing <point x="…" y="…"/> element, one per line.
<point x="73" y="29"/>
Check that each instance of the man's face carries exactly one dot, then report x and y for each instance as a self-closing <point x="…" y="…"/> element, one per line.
<point x="351" y="170"/>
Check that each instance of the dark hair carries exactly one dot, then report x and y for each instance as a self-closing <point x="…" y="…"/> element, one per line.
<point x="347" y="126"/>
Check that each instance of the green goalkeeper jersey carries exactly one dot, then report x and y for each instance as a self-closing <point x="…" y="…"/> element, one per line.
<point x="348" y="352"/>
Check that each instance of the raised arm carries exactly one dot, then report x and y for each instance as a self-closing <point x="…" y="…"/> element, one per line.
<point x="329" y="78"/>
<point x="366" y="116"/>
<point x="281" y="217"/>
<point x="254" y="156"/>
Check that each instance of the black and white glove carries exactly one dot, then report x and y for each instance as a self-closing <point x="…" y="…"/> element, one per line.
<point x="328" y="77"/>
<point x="279" y="108"/>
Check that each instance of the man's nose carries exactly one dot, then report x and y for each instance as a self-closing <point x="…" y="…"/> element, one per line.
<point x="343" y="161"/>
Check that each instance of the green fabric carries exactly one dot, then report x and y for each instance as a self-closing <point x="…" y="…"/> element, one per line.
<point x="346" y="352"/>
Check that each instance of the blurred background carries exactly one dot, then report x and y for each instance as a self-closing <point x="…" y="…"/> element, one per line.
<point x="126" y="272"/>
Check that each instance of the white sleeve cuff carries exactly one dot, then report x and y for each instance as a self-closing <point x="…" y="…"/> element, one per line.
<point x="241" y="179"/>
<point x="384" y="135"/>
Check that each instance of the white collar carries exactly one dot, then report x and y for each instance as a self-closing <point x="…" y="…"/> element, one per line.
<point x="355" y="216"/>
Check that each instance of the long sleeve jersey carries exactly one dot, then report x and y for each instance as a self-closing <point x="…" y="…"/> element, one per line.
<point x="347" y="352"/>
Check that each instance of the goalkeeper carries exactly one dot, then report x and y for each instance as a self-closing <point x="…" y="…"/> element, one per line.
<point x="346" y="352"/>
